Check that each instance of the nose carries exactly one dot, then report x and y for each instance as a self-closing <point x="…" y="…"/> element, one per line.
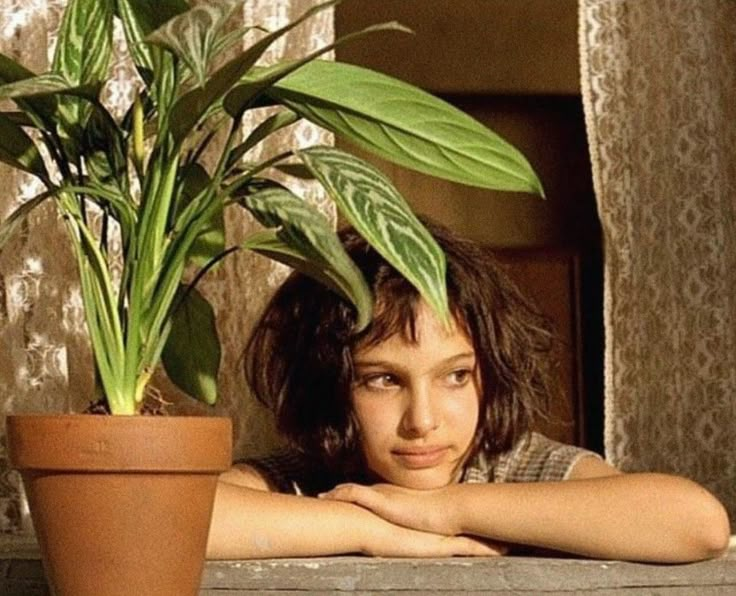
<point x="420" y="416"/>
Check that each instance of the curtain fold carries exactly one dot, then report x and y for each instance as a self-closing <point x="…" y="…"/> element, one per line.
<point x="659" y="90"/>
<point x="45" y="359"/>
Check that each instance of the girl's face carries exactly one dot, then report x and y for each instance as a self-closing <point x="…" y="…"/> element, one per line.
<point x="417" y="404"/>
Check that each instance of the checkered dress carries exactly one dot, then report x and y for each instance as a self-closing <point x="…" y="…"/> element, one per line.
<point x="533" y="459"/>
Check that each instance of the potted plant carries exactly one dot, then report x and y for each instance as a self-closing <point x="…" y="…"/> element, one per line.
<point x="145" y="176"/>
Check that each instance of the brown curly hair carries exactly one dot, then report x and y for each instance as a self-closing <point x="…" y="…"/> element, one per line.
<point x="299" y="359"/>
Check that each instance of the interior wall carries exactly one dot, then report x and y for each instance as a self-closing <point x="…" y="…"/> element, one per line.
<point x="470" y="46"/>
<point x="513" y="66"/>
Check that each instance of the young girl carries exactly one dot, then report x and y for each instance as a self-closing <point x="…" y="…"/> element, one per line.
<point x="413" y="439"/>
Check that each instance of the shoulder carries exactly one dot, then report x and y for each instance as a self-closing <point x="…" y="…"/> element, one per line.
<point x="534" y="458"/>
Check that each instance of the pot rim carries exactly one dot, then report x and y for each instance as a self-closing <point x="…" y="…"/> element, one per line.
<point x="106" y="443"/>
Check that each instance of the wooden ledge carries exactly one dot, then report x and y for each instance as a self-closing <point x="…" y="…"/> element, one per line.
<point x="21" y="575"/>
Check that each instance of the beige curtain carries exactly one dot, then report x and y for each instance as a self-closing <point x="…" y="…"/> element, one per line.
<point x="659" y="88"/>
<point x="44" y="355"/>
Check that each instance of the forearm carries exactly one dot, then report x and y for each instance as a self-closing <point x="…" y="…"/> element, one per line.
<point x="249" y="523"/>
<point x="645" y="517"/>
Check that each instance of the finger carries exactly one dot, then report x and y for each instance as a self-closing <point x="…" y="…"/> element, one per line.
<point x="337" y="492"/>
<point x="476" y="547"/>
<point x="497" y="548"/>
<point x="392" y="504"/>
<point x="361" y="495"/>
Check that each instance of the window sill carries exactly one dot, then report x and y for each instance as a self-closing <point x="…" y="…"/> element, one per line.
<point x="21" y="575"/>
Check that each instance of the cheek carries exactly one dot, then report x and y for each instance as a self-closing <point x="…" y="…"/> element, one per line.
<point x="375" y="419"/>
<point x="373" y="415"/>
<point x="463" y="413"/>
<point x="375" y="436"/>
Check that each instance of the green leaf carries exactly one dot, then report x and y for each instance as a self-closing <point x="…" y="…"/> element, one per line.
<point x="296" y="170"/>
<point x="305" y="240"/>
<point x="211" y="240"/>
<point x="44" y="84"/>
<point x="405" y="125"/>
<point x="36" y="96"/>
<point x="266" y="128"/>
<point x="193" y="105"/>
<point x="104" y="149"/>
<point x="120" y="204"/>
<point x="227" y="41"/>
<point x="10" y="224"/>
<point x="193" y="34"/>
<point x="11" y="71"/>
<point x="98" y="294"/>
<point x="191" y="355"/>
<point x="40" y="110"/>
<point x="18" y="150"/>
<point x="20" y="119"/>
<point x="371" y="203"/>
<point x="246" y="94"/>
<point x="66" y="121"/>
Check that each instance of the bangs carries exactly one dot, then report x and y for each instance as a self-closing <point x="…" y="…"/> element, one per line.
<point x="394" y="312"/>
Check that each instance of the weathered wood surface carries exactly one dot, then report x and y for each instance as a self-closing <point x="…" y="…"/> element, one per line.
<point x="21" y="575"/>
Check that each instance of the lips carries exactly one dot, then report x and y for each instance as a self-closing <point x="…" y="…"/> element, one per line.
<point x="420" y="457"/>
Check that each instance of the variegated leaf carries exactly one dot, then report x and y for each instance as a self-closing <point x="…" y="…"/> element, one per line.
<point x="142" y="17"/>
<point x="193" y="34"/>
<point x="82" y="54"/>
<point x="154" y="64"/>
<point x="406" y="125"/>
<point x="376" y="209"/>
<point x="304" y="239"/>
<point x="84" y="46"/>
<point x="193" y="106"/>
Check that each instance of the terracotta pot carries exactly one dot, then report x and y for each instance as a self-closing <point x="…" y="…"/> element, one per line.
<point x="121" y="505"/>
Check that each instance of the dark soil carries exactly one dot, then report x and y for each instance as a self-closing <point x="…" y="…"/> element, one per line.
<point x="153" y="405"/>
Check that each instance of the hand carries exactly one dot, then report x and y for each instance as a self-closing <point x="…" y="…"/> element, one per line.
<point x="397" y="541"/>
<point x="426" y="510"/>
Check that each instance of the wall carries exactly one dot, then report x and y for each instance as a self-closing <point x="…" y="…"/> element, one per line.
<point x="513" y="66"/>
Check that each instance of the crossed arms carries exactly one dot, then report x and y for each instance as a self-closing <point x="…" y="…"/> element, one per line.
<point x="598" y="513"/>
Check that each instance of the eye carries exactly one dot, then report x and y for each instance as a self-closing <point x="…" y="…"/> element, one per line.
<point x="378" y="381"/>
<point x="459" y="377"/>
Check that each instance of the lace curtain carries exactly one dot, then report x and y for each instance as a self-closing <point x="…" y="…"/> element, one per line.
<point x="659" y="87"/>
<point x="45" y="360"/>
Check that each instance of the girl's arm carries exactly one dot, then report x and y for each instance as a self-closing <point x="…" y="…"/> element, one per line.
<point x="249" y="521"/>
<point x="599" y="513"/>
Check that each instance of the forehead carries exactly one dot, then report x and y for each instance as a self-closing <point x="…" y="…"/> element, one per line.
<point x="427" y="336"/>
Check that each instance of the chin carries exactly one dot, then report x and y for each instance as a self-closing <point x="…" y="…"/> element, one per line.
<point x="421" y="479"/>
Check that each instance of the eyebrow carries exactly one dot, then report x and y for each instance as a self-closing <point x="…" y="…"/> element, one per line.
<point x="391" y="365"/>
